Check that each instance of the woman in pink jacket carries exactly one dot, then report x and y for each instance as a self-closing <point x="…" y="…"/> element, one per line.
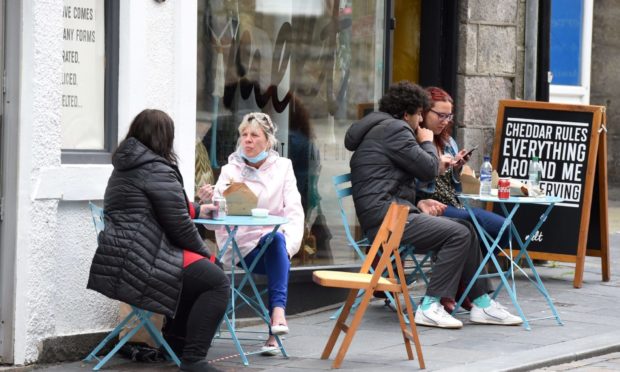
<point x="271" y="179"/>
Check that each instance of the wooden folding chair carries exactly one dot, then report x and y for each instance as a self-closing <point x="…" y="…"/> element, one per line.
<point x="345" y="190"/>
<point x="388" y="240"/>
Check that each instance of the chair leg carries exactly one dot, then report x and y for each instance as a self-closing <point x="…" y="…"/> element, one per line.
<point x="109" y="337"/>
<point x="350" y="330"/>
<point x="344" y="314"/>
<point x="159" y="339"/>
<point x="118" y="346"/>
<point x="403" y="326"/>
<point x="414" y="329"/>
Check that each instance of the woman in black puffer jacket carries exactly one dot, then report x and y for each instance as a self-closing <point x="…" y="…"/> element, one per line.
<point x="150" y="254"/>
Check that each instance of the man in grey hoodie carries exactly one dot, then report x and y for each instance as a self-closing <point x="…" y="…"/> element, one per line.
<point x="390" y="152"/>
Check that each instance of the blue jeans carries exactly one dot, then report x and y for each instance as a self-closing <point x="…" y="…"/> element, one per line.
<point x="491" y="222"/>
<point x="275" y="264"/>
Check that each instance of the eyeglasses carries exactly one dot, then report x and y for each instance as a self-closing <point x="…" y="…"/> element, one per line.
<point x="443" y="116"/>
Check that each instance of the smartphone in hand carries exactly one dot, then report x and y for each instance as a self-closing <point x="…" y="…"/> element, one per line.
<point x="462" y="160"/>
<point x="468" y="153"/>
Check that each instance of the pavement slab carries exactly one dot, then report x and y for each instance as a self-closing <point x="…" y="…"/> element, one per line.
<point x="588" y="340"/>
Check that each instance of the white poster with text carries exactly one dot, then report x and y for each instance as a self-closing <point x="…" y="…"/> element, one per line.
<point x="83" y="75"/>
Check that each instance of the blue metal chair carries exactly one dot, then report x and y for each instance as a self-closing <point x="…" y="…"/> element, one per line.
<point x="406" y="251"/>
<point x="136" y="315"/>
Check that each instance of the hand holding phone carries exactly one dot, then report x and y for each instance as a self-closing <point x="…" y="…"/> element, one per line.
<point x="466" y="156"/>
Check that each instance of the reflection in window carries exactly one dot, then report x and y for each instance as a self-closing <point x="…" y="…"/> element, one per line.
<point x="308" y="67"/>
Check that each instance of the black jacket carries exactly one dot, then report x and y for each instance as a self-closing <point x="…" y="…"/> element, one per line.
<point x="139" y="259"/>
<point x="386" y="162"/>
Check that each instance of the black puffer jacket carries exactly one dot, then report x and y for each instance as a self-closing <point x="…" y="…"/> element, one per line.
<point x="386" y="161"/>
<point x="147" y="225"/>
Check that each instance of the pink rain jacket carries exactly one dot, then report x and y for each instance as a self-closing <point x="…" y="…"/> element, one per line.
<point x="275" y="186"/>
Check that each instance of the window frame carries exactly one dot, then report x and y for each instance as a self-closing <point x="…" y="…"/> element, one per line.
<point x="77" y="156"/>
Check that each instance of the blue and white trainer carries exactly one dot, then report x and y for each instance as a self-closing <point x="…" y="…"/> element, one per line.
<point x="436" y="316"/>
<point x="494" y="314"/>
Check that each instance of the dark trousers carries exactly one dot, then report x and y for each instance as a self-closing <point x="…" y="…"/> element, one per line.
<point x="203" y="301"/>
<point x="457" y="251"/>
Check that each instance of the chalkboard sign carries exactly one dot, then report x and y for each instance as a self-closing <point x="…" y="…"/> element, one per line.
<point x="570" y="141"/>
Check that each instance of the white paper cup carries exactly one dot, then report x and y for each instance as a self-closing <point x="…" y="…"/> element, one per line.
<point x="260" y="212"/>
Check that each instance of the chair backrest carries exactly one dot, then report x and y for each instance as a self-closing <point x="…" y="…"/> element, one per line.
<point x="343" y="191"/>
<point x="388" y="241"/>
<point x="97" y="213"/>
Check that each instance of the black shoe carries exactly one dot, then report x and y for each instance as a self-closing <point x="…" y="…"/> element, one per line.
<point x="199" y="366"/>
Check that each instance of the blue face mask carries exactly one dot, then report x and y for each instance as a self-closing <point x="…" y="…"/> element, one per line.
<point x="260" y="157"/>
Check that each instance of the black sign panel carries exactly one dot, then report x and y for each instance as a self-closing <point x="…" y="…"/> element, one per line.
<point x="561" y="139"/>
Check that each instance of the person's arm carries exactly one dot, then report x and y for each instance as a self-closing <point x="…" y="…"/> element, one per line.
<point x="169" y="202"/>
<point x="294" y="229"/>
<point x="460" y="160"/>
<point x="417" y="159"/>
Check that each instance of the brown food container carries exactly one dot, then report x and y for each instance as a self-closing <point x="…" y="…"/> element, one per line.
<point x="240" y="199"/>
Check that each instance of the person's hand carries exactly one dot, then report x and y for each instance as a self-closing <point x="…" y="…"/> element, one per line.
<point x="432" y="207"/>
<point x="445" y="162"/>
<point x="461" y="158"/>
<point x="424" y="134"/>
<point x="205" y="192"/>
<point x="205" y="209"/>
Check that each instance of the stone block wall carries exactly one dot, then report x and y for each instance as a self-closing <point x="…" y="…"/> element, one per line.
<point x="490" y="68"/>
<point x="605" y="81"/>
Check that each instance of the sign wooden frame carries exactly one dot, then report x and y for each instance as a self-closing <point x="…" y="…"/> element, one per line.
<point x="596" y="171"/>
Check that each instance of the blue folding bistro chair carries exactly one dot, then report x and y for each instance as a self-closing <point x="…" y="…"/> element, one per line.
<point x="406" y="251"/>
<point x="136" y="315"/>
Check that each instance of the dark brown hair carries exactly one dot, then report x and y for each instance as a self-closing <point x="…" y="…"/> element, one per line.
<point x="155" y="130"/>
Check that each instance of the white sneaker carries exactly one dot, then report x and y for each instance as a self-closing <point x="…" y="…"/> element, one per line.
<point x="436" y="316"/>
<point x="494" y="314"/>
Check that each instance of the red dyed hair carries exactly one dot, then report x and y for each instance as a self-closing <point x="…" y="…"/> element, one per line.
<point x="439" y="95"/>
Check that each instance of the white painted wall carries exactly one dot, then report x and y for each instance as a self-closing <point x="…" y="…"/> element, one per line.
<point x="56" y="239"/>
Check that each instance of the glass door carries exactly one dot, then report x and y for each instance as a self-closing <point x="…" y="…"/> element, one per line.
<point x="571" y="51"/>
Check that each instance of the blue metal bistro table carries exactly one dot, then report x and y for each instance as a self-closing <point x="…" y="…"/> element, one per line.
<point x="510" y="207"/>
<point x="254" y="300"/>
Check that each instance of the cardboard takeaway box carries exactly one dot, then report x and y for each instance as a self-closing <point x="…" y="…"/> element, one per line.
<point x="240" y="200"/>
<point x="471" y="184"/>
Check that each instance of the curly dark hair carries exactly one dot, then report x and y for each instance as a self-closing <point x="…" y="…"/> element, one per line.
<point x="404" y="97"/>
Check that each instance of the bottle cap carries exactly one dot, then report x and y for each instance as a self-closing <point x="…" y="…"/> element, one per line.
<point x="487" y="158"/>
<point x="535" y="158"/>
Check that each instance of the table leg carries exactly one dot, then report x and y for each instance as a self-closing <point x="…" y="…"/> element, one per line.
<point x="490" y="249"/>
<point x="523" y="253"/>
<point x="256" y="303"/>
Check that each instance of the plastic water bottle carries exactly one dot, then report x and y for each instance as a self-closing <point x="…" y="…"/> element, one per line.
<point x="485" y="177"/>
<point x="534" y="173"/>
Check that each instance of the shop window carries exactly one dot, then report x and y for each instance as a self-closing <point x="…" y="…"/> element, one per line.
<point x="89" y="80"/>
<point x="309" y="66"/>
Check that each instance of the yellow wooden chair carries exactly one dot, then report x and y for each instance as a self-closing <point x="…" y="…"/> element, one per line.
<point x="388" y="240"/>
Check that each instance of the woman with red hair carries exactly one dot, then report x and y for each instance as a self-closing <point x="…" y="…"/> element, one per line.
<point x="439" y="119"/>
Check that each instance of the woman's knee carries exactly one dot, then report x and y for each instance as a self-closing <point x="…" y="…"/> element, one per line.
<point x="279" y="241"/>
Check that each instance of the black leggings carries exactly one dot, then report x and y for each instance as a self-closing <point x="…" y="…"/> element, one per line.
<point x="203" y="301"/>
